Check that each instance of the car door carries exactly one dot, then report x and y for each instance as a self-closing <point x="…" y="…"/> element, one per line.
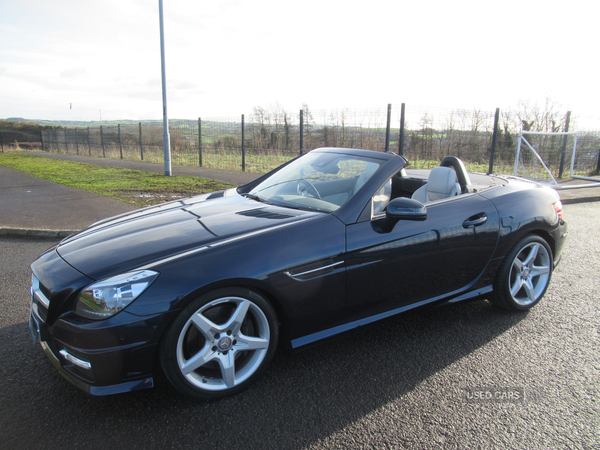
<point x="419" y="260"/>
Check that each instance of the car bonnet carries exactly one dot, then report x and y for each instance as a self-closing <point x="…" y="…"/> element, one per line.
<point x="142" y="237"/>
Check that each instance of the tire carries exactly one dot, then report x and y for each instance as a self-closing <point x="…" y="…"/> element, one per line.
<point x="220" y="343"/>
<point x="524" y="275"/>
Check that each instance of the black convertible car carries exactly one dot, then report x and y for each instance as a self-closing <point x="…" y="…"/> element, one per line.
<point x="208" y="286"/>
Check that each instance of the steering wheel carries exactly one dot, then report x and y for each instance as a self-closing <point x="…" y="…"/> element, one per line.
<point x="306" y="189"/>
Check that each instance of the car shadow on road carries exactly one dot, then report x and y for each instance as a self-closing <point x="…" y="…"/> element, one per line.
<point x="303" y="398"/>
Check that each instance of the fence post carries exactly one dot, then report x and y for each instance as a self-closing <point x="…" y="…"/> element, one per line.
<point x="564" y="146"/>
<point x="2" y="142"/>
<point x="41" y="140"/>
<point x="301" y="131"/>
<point x="243" y="147"/>
<point x="102" y="141"/>
<point x="120" y="143"/>
<point x="77" y="140"/>
<point x="56" y="140"/>
<point x="89" y="144"/>
<point x="401" y="132"/>
<point x="387" y="128"/>
<point x="598" y="164"/>
<point x="199" y="141"/>
<point x="494" y="141"/>
<point x="141" y="145"/>
<point x="66" y="141"/>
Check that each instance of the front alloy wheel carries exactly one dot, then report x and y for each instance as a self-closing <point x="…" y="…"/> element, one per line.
<point x="220" y="343"/>
<point x="524" y="275"/>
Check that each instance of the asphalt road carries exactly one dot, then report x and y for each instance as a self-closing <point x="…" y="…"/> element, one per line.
<point x="418" y="381"/>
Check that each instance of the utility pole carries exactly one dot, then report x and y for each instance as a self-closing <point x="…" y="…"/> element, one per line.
<point x="166" y="137"/>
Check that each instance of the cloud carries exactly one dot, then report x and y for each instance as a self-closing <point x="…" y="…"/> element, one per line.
<point x="75" y="73"/>
<point x="227" y="56"/>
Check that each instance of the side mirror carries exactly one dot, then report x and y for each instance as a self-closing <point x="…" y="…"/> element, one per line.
<point x="402" y="208"/>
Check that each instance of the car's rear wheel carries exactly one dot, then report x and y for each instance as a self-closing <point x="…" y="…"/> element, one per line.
<point x="524" y="275"/>
<point x="220" y="343"/>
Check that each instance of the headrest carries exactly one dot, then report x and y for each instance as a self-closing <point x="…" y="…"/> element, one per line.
<point x="441" y="183"/>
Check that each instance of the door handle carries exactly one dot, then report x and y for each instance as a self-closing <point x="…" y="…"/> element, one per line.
<point x="475" y="221"/>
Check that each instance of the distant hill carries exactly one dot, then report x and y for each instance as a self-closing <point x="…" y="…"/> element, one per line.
<point x="93" y="123"/>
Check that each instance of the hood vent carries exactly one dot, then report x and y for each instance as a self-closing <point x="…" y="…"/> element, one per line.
<point x="263" y="213"/>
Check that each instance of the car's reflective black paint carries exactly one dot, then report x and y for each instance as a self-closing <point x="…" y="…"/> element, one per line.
<point x="323" y="273"/>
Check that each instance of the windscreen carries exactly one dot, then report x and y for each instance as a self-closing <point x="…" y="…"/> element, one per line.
<point x="317" y="181"/>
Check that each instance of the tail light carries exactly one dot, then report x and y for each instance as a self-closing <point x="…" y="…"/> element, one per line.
<point x="558" y="207"/>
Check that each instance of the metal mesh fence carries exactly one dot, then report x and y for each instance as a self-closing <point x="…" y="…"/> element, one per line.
<point x="221" y="143"/>
<point x="19" y="138"/>
<point x="587" y="161"/>
<point x="558" y="151"/>
<point x="433" y="133"/>
<point x="267" y="138"/>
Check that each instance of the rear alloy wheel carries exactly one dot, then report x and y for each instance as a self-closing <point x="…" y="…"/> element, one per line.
<point x="524" y="275"/>
<point x="220" y="343"/>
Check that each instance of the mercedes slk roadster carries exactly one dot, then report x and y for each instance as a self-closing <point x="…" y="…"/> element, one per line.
<point x="208" y="287"/>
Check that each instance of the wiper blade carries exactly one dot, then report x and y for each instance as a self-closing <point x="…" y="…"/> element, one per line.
<point x="254" y="197"/>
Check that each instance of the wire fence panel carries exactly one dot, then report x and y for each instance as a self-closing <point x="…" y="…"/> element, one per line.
<point x="433" y="133"/>
<point x="587" y="161"/>
<point x="221" y="143"/>
<point x="556" y="152"/>
<point x="549" y="148"/>
<point x="269" y="137"/>
<point x="364" y="129"/>
<point x="19" y="136"/>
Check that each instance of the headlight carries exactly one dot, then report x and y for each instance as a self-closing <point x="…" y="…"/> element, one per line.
<point x="107" y="297"/>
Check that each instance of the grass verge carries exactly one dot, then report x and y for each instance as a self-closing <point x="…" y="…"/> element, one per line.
<point x="131" y="186"/>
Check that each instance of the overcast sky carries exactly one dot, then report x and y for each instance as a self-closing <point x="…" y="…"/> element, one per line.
<point x="224" y="57"/>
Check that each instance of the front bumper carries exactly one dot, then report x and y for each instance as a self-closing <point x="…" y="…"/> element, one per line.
<point x="100" y="358"/>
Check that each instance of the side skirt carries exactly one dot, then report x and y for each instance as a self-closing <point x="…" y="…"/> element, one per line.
<point x="314" y="337"/>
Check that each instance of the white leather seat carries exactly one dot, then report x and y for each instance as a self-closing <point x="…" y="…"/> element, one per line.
<point x="442" y="183"/>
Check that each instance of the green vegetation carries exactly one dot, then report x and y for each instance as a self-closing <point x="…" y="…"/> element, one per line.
<point x="132" y="186"/>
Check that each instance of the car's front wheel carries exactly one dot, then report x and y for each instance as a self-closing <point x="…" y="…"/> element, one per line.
<point x="220" y="343"/>
<point x="524" y="275"/>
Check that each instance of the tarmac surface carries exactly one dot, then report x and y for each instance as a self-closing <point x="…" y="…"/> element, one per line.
<point x="467" y="376"/>
<point x="427" y="380"/>
<point x="31" y="206"/>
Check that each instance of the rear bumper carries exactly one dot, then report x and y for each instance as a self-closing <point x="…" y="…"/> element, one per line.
<point x="559" y="235"/>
